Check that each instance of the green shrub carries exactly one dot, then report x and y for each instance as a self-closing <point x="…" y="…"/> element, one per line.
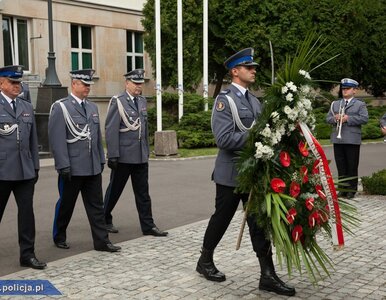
<point x="194" y="130"/>
<point x="371" y="130"/>
<point x="323" y="131"/>
<point x="375" y="184"/>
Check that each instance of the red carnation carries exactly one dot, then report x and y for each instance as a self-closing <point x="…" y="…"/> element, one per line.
<point x="285" y="159"/>
<point x="310" y="203"/>
<point x="294" y="189"/>
<point x="297" y="233"/>
<point x="278" y="185"/>
<point x="313" y="219"/>
<point x="320" y="192"/>
<point x="291" y="215"/>
<point x="303" y="149"/>
<point x="304" y="174"/>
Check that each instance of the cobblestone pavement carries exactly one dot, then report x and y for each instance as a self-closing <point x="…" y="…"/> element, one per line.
<point x="164" y="268"/>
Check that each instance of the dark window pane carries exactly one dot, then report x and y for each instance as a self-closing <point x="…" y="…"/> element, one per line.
<point x="86" y="37"/>
<point x="22" y="39"/>
<point x="7" y="42"/>
<point x="139" y="62"/>
<point x="129" y="64"/>
<point x="74" y="36"/>
<point x="138" y="43"/>
<point x="86" y="60"/>
<point x="74" y="61"/>
<point x="129" y="42"/>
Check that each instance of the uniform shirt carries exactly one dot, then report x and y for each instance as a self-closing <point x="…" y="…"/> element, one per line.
<point x="130" y="147"/>
<point x="84" y="157"/>
<point x="18" y="158"/>
<point x="228" y="137"/>
<point x="351" y="132"/>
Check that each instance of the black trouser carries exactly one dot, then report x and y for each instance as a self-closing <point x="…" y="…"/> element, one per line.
<point x="226" y="205"/>
<point x="347" y="162"/>
<point x="140" y="182"/>
<point x="23" y="191"/>
<point x="91" y="190"/>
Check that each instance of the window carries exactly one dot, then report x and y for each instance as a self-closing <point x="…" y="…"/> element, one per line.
<point x="15" y="42"/>
<point x="134" y="49"/>
<point x="81" y="47"/>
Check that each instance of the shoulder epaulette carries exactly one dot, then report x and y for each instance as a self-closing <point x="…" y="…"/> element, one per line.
<point x="225" y="92"/>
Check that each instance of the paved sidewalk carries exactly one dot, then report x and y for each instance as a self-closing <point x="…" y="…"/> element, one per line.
<point x="164" y="268"/>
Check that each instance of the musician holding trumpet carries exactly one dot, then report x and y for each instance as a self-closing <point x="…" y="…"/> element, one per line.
<point x="347" y="115"/>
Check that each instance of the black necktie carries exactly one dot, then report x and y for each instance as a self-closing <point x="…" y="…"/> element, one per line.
<point x="84" y="107"/>
<point x="246" y="95"/>
<point x="346" y="104"/>
<point x="135" y="99"/>
<point x="13" y="105"/>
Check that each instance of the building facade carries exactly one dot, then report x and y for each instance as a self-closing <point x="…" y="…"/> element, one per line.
<point x="106" y="35"/>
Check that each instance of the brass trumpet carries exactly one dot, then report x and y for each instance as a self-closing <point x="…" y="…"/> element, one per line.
<point x="340" y="123"/>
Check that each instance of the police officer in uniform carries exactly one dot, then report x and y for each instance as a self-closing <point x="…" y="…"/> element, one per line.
<point x="349" y="113"/>
<point x="234" y="113"/>
<point x="128" y="152"/>
<point x="19" y="160"/>
<point x="76" y="144"/>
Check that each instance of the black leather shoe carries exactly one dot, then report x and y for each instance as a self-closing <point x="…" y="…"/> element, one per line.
<point x="62" y="245"/>
<point x="156" y="232"/>
<point x="111" y="228"/>
<point x="109" y="248"/>
<point x="274" y="284"/>
<point x="33" y="263"/>
<point x="269" y="281"/>
<point x="206" y="266"/>
<point x="350" y="195"/>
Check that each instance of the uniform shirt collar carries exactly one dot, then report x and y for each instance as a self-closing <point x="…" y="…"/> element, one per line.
<point x="77" y="99"/>
<point x="348" y="100"/>
<point x="7" y="98"/>
<point x="130" y="96"/>
<point x="241" y="88"/>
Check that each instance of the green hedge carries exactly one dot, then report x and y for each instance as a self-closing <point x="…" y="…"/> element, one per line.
<point x="375" y="184"/>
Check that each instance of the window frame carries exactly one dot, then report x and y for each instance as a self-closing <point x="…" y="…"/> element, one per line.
<point x="133" y="54"/>
<point x="80" y="50"/>
<point x="14" y="35"/>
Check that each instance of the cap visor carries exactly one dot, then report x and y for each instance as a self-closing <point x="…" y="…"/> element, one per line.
<point x="87" y="82"/>
<point x="15" y="79"/>
<point x="138" y="80"/>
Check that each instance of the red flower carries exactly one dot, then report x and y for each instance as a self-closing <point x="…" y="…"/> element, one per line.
<point x="291" y="215"/>
<point x="297" y="233"/>
<point x="310" y="203"/>
<point x="285" y="159"/>
<point x="304" y="174"/>
<point x="327" y="208"/>
<point x="320" y="192"/>
<point x="278" y="185"/>
<point x="313" y="219"/>
<point x="315" y="167"/>
<point x="323" y="216"/>
<point x="294" y="189"/>
<point x="303" y="149"/>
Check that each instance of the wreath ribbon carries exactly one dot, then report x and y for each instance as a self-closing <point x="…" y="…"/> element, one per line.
<point x="328" y="186"/>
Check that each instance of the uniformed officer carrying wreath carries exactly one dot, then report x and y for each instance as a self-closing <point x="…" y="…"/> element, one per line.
<point x="19" y="160"/>
<point x="76" y="144"/>
<point x="128" y="152"/>
<point x="234" y="113"/>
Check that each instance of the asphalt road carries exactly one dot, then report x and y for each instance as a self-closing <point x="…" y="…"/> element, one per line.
<point x="181" y="191"/>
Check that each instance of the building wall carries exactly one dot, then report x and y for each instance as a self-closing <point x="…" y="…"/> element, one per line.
<point x="109" y="19"/>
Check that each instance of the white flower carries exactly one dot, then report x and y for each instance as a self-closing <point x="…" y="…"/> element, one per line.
<point x="284" y="90"/>
<point x="266" y="131"/>
<point x="289" y="97"/>
<point x="305" y="74"/>
<point x="263" y="151"/>
<point x="287" y="110"/>
<point x="291" y="86"/>
<point x="305" y="89"/>
<point x="275" y="116"/>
